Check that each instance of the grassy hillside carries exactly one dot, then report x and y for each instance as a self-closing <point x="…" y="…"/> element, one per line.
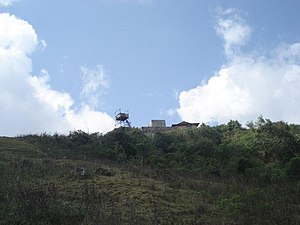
<point x="93" y="179"/>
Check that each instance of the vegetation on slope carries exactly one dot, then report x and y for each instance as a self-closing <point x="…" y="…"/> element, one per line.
<point x="208" y="175"/>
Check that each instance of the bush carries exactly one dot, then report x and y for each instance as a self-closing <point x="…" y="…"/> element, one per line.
<point x="293" y="169"/>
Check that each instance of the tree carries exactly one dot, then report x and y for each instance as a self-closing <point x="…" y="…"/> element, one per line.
<point x="276" y="142"/>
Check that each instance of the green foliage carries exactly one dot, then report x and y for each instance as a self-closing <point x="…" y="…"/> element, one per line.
<point x="264" y="151"/>
<point x="231" y="204"/>
<point x="163" y="142"/>
<point x="208" y="175"/>
<point x="293" y="168"/>
<point x="276" y="142"/>
<point x="233" y="126"/>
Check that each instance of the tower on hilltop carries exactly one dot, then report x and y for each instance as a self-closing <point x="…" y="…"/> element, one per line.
<point x="122" y="119"/>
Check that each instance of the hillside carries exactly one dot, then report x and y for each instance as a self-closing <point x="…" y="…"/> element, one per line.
<point x="207" y="175"/>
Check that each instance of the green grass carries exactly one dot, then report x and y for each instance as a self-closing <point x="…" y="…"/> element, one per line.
<point x="13" y="149"/>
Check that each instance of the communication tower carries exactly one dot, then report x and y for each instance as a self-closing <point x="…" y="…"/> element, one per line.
<point x="122" y="119"/>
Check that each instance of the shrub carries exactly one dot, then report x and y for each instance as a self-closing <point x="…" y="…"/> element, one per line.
<point x="293" y="168"/>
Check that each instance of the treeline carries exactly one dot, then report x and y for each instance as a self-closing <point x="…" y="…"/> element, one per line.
<point x="264" y="150"/>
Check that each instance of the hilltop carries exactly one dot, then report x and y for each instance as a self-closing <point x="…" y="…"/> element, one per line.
<point x="208" y="175"/>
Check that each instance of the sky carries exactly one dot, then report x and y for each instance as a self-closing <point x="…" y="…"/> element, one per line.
<point x="69" y="65"/>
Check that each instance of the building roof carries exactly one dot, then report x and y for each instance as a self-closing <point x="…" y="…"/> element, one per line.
<point x="185" y="124"/>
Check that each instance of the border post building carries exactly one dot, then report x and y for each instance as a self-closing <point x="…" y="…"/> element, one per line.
<point x="156" y="126"/>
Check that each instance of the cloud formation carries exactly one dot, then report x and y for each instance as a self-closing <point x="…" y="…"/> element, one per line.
<point x="28" y="104"/>
<point x="233" y="30"/>
<point x="248" y="85"/>
<point x="7" y="2"/>
<point x="94" y="81"/>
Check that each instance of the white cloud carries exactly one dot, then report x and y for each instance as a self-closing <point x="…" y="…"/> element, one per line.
<point x="7" y="2"/>
<point x="233" y="29"/>
<point x="17" y="36"/>
<point x="42" y="45"/>
<point x="94" y="81"/>
<point x="28" y="104"/>
<point x="90" y="120"/>
<point x="248" y="85"/>
<point x="59" y="102"/>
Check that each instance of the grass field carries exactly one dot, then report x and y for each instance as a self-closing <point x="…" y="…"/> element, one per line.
<point x="39" y="189"/>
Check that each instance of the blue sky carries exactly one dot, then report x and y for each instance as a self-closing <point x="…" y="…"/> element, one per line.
<point x="200" y="61"/>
